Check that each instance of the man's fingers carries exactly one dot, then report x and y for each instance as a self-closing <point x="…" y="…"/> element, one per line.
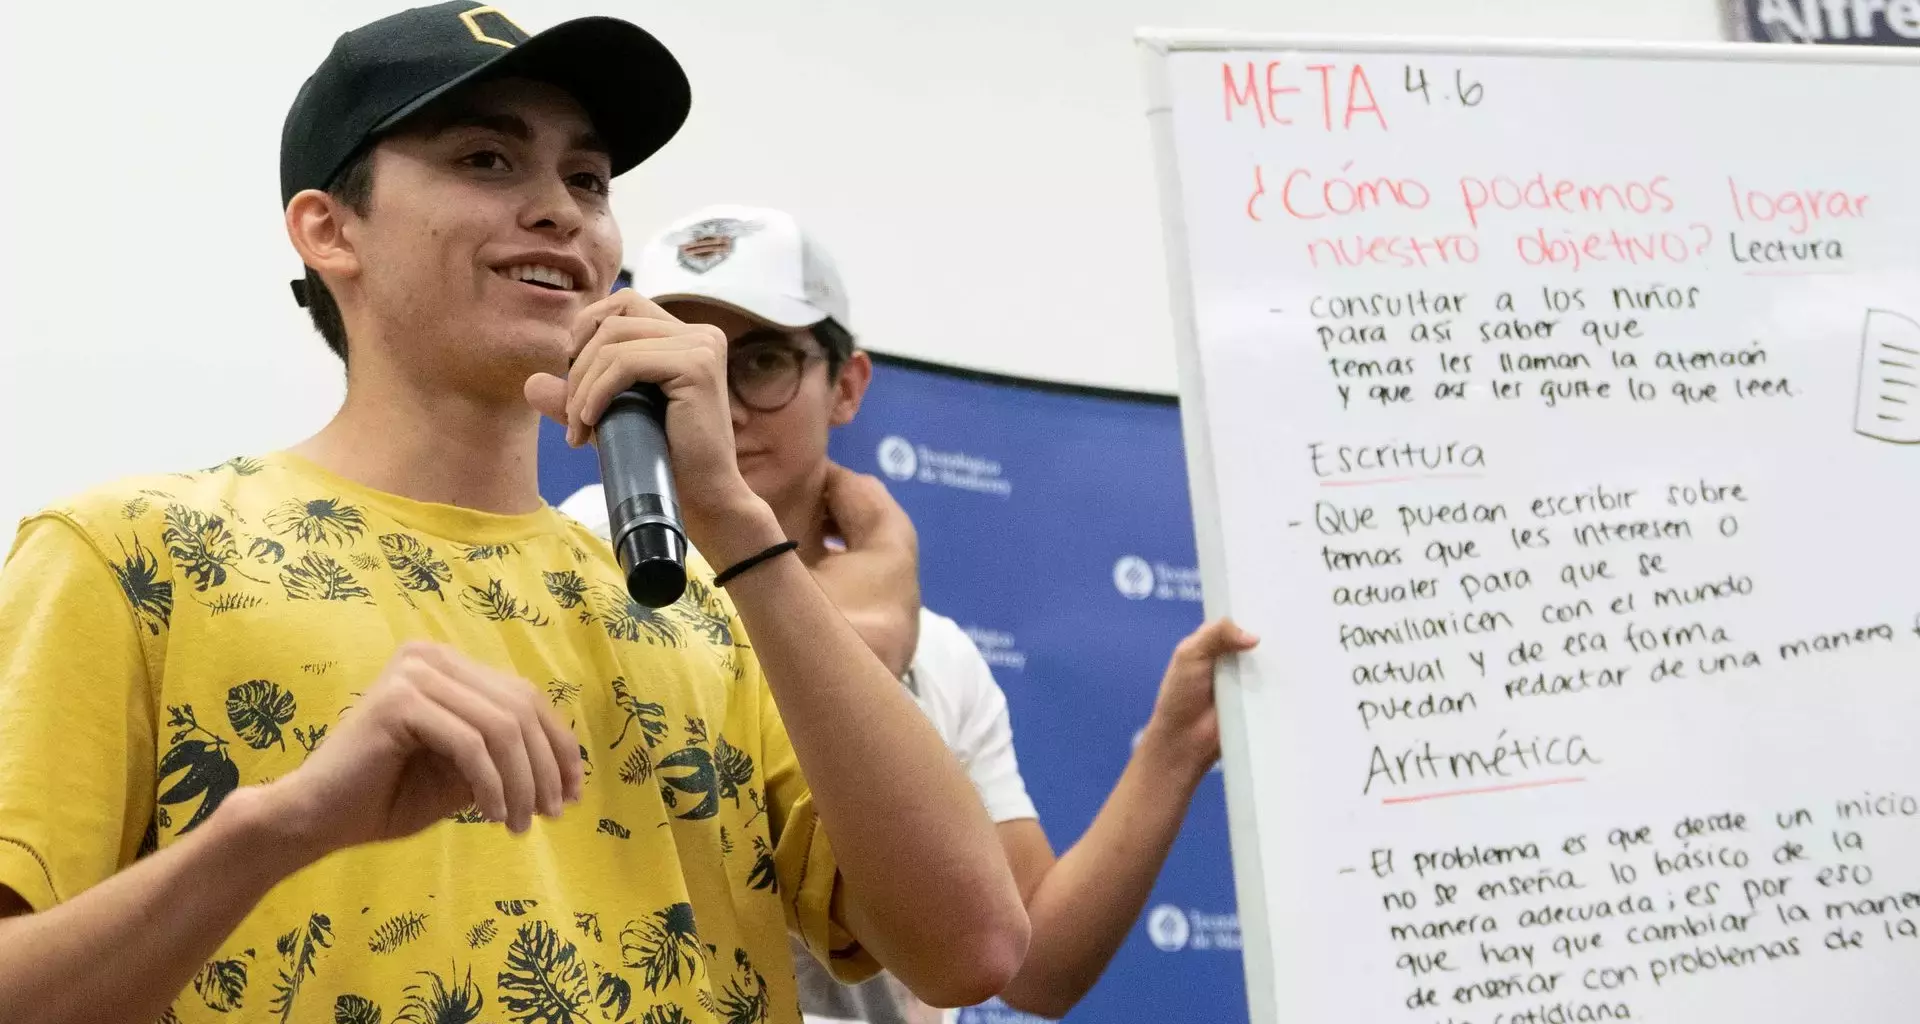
<point x="548" y="396"/>
<point x="548" y="784"/>
<point x="625" y="302"/>
<point x="505" y="742"/>
<point x="621" y="369"/>
<point x="864" y="509"/>
<point x="613" y="362"/>
<point x="1221" y="636"/>
<point x="441" y="731"/>
<point x="547" y="748"/>
<point x="566" y="752"/>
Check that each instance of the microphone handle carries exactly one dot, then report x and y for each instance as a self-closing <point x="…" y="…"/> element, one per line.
<point x="643" y="511"/>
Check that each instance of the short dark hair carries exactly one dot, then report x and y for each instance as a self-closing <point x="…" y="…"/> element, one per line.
<point x="352" y="188"/>
<point x="837" y="340"/>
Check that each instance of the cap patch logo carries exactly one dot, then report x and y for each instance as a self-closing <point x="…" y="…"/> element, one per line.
<point x="471" y="19"/>
<point x="707" y="244"/>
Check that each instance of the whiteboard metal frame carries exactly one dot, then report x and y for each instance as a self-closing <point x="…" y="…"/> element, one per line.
<point x="1161" y="42"/>
<point x="1155" y="45"/>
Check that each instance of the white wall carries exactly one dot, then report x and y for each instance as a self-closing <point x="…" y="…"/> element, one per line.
<point x="981" y="172"/>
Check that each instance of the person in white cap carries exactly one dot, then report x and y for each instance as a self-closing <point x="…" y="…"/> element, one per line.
<point x="794" y="373"/>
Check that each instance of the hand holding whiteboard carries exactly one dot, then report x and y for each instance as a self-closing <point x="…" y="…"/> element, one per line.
<point x="1530" y="419"/>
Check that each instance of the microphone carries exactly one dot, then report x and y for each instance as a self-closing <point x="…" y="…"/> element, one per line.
<point x="643" y="513"/>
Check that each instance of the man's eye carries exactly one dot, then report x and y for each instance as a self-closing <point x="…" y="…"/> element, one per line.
<point x="486" y="160"/>
<point x="591" y="182"/>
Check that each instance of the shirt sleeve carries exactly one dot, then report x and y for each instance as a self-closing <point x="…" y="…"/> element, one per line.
<point x="809" y="876"/>
<point x="76" y="718"/>
<point x="983" y="738"/>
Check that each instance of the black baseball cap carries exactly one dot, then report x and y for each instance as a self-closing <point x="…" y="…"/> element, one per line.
<point x="378" y="74"/>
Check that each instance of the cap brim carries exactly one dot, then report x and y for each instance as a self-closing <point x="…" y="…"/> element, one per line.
<point x="632" y="87"/>
<point x="776" y="310"/>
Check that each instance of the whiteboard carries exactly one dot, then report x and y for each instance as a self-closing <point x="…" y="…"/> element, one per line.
<point x="1551" y="414"/>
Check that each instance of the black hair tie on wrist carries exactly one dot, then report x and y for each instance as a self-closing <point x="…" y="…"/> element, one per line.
<point x="752" y="560"/>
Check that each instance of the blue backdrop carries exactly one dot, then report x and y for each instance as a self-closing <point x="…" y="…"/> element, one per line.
<point x="1055" y="528"/>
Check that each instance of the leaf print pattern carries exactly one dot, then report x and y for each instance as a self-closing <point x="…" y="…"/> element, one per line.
<point x="470" y="815"/>
<point x="397" y="932"/>
<point x="495" y="604"/>
<point x="704" y="614"/>
<point x="231" y="603"/>
<point x="150" y="596"/>
<point x="665" y="1014"/>
<point x="663" y="947"/>
<point x="614" y="994"/>
<point x="543" y="981"/>
<point x="568" y="588"/>
<point x="309" y="941"/>
<point x="726" y="841"/>
<point x="415" y="564"/>
<point x="364" y="562"/>
<point x="201" y="546"/>
<point x="210" y="773"/>
<point x="744" y="1000"/>
<point x="696" y="730"/>
<point x="258" y="710"/>
<point x="700" y="779"/>
<point x="734" y="768"/>
<point x="317" y="577"/>
<point x="309" y="738"/>
<point x="624" y="620"/>
<point x="327" y="521"/>
<point x="266" y="551"/>
<point x="608" y="826"/>
<point x="560" y="692"/>
<point x="222" y="984"/>
<point x="589" y="924"/>
<point x="637" y="768"/>
<point x="437" y="1002"/>
<point x="352" y="1009"/>
<point x="763" y="875"/>
<point x="483" y="552"/>
<point x="483" y="933"/>
<point x="650" y="717"/>
<point x="241" y="465"/>
<point x="135" y="508"/>
<point x="515" y="908"/>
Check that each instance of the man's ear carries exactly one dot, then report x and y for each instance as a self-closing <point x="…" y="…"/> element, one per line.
<point x="318" y="227"/>
<point x="850" y="388"/>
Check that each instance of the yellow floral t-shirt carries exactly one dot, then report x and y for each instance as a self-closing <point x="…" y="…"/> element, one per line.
<point x="164" y="641"/>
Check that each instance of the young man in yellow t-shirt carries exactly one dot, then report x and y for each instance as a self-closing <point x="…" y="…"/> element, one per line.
<point x="363" y="731"/>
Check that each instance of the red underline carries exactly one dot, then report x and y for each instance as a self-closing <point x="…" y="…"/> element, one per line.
<point x="1399" y="479"/>
<point x="1477" y="792"/>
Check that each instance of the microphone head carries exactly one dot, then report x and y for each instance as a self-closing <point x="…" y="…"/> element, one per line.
<point x="654" y="557"/>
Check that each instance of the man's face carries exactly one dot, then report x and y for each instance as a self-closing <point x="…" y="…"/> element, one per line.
<point x="489" y="229"/>
<point x="783" y="400"/>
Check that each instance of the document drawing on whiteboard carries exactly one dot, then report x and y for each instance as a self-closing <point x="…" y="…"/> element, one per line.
<point x="1888" y="406"/>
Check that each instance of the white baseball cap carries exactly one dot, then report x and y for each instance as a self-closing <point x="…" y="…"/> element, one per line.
<point x="757" y="261"/>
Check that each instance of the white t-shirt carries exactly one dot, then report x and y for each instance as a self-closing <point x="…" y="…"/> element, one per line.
<point x="955" y="688"/>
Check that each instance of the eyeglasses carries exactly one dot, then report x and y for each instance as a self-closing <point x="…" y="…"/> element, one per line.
<point x="764" y="370"/>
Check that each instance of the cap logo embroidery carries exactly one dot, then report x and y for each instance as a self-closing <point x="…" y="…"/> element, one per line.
<point x="707" y="244"/>
<point x="471" y="19"/>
